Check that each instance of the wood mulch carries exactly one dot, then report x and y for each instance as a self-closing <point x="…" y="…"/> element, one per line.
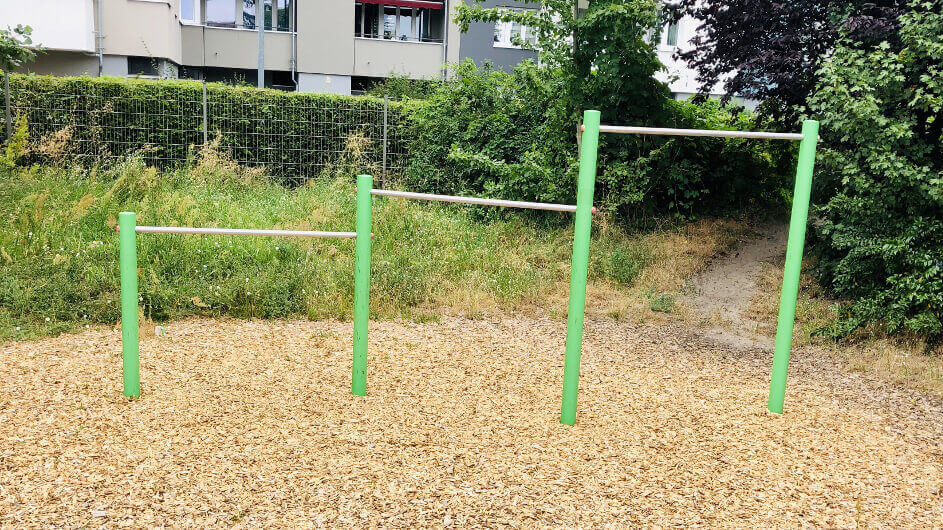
<point x="252" y="423"/>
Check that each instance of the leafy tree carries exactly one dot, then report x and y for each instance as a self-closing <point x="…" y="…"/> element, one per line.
<point x="770" y="51"/>
<point x="14" y="47"/>
<point x="880" y="236"/>
<point x="514" y="135"/>
<point x="602" y="57"/>
<point x="508" y="135"/>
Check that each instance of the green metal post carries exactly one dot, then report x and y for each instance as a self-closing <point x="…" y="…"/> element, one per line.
<point x="787" y="301"/>
<point x="128" y="263"/>
<point x="358" y="384"/>
<point x="579" y="266"/>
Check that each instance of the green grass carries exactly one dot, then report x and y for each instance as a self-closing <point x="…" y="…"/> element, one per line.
<point x="59" y="269"/>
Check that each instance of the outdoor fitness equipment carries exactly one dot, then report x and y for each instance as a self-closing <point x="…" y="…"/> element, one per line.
<point x="583" y="210"/>
<point x="794" y="245"/>
<point x="128" y="264"/>
<point x="577" y="301"/>
<point x="365" y="192"/>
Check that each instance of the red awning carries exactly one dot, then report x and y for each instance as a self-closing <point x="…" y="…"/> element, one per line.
<point x="406" y="3"/>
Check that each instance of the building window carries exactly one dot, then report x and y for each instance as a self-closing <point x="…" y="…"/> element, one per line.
<point x="513" y="34"/>
<point x="190" y="11"/>
<point x="220" y="13"/>
<point x="142" y="67"/>
<point x="415" y="21"/>
<point x="670" y="34"/>
<point x="279" y="14"/>
<point x="671" y="19"/>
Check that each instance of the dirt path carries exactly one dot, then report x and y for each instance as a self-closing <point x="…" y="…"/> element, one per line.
<point x="252" y="424"/>
<point x="720" y="296"/>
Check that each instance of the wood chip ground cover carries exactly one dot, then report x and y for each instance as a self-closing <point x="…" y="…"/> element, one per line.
<point x="252" y="423"/>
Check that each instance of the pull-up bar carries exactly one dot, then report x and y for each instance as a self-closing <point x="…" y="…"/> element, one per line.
<point x="477" y="200"/>
<point x="143" y="229"/>
<point x="761" y="135"/>
<point x="365" y="192"/>
<point x="128" y="263"/>
<point x="797" y="226"/>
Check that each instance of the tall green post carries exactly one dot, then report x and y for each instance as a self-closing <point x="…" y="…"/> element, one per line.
<point x="128" y="264"/>
<point x="358" y="384"/>
<point x="790" y="293"/>
<point x="580" y="265"/>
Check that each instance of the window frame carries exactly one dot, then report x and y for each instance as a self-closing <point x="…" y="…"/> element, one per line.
<point x="506" y="40"/>
<point x="197" y="13"/>
<point x="666" y="34"/>
<point x="415" y="17"/>
<point x="239" y="14"/>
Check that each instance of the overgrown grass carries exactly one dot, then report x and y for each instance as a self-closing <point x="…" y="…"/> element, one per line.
<point x="904" y="359"/>
<point x="58" y="250"/>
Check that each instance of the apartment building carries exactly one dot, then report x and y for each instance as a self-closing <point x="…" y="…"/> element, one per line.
<point x="336" y="46"/>
<point x="309" y="45"/>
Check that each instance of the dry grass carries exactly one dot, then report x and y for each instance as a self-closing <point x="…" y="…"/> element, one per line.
<point x="902" y="360"/>
<point x="252" y="424"/>
<point x="677" y="255"/>
<point x="680" y="254"/>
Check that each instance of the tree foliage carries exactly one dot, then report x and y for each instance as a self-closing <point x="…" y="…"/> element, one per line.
<point x="603" y="57"/>
<point x="15" y="47"/>
<point x="509" y="135"/>
<point x="770" y="51"/>
<point x="514" y="134"/>
<point x="880" y="240"/>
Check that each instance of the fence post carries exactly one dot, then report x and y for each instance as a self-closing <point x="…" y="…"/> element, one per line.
<point x="6" y="104"/>
<point x="794" y="246"/>
<point x="579" y="266"/>
<point x="128" y="264"/>
<point x="204" y="112"/>
<point x="386" y="106"/>
<point x="358" y="382"/>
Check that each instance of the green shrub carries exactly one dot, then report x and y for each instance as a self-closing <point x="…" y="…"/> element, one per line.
<point x="398" y="87"/>
<point x="508" y="135"/>
<point x="661" y="303"/>
<point x="880" y="171"/>
<point x="294" y="135"/>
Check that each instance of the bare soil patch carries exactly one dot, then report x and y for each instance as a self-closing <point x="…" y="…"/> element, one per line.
<point x="720" y="296"/>
<point x="252" y="423"/>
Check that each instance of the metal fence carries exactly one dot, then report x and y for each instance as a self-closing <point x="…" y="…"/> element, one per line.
<point x="294" y="137"/>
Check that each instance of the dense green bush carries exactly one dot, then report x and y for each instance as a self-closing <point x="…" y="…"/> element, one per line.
<point x="294" y="135"/>
<point x="880" y="240"/>
<point x="399" y="87"/>
<point x="509" y="135"/>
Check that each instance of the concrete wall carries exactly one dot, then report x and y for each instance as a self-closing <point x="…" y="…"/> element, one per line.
<point x="330" y="84"/>
<point x="147" y="28"/>
<point x="57" y="24"/>
<point x="54" y="62"/>
<point x="454" y="36"/>
<point x="325" y="36"/>
<point x="379" y="58"/>
<point x="234" y="48"/>
<point x="478" y="43"/>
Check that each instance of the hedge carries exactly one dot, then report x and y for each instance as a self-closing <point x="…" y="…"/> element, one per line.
<point x="295" y="135"/>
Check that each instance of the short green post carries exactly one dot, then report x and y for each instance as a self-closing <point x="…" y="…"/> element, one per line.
<point x="579" y="266"/>
<point x="358" y="384"/>
<point x="790" y="293"/>
<point x="128" y="264"/>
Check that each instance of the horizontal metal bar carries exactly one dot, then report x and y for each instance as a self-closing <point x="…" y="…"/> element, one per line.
<point x="699" y="132"/>
<point x="476" y="200"/>
<point x="239" y="232"/>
